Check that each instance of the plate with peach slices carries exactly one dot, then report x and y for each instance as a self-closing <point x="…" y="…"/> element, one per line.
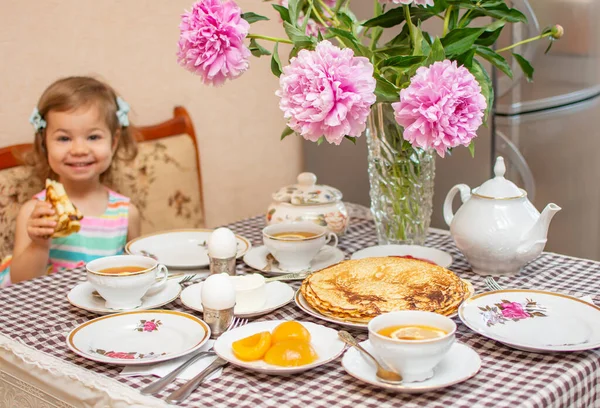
<point x="279" y="347"/>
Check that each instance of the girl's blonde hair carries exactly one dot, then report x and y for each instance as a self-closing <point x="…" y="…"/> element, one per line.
<point x="72" y="93"/>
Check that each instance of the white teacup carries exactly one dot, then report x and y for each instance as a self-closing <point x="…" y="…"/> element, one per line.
<point x="294" y="245"/>
<point x="125" y="290"/>
<point x="250" y="292"/>
<point x="413" y="359"/>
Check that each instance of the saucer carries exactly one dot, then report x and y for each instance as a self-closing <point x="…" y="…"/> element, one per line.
<point x="436" y="256"/>
<point x="458" y="365"/>
<point x="278" y="294"/>
<point x="257" y="258"/>
<point x="81" y="296"/>
<point x="324" y="340"/>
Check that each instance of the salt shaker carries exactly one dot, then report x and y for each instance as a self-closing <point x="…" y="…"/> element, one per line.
<point x="222" y="250"/>
<point x="218" y="302"/>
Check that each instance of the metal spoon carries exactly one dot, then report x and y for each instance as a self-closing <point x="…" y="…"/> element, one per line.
<point x="386" y="376"/>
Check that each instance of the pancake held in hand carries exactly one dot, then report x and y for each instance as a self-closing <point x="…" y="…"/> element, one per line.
<point x="361" y="289"/>
<point x="68" y="216"/>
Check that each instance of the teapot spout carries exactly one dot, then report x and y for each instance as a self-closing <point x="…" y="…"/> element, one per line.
<point x="534" y="240"/>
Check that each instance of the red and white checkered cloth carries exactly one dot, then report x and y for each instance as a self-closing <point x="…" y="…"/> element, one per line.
<point x="37" y="312"/>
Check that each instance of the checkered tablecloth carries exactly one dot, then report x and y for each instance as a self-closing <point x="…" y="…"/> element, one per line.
<point x="37" y="312"/>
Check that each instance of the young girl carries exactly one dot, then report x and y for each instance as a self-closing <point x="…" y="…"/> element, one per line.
<point x="81" y="125"/>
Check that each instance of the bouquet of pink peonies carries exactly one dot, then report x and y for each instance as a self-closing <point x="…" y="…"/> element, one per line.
<point x="433" y="91"/>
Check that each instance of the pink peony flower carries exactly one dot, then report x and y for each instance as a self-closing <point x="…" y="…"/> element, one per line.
<point x="442" y="108"/>
<point x="408" y="2"/>
<point x="211" y="42"/>
<point x="327" y="92"/>
<point x="513" y="310"/>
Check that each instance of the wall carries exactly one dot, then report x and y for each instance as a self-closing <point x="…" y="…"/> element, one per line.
<point x="132" y="45"/>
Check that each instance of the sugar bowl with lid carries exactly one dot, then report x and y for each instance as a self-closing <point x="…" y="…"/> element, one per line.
<point x="309" y="201"/>
<point x="497" y="228"/>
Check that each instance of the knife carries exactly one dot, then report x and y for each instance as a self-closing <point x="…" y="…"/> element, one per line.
<point x="158" y="385"/>
<point x="186" y="389"/>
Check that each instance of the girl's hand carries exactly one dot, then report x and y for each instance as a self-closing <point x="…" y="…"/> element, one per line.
<point x="41" y="223"/>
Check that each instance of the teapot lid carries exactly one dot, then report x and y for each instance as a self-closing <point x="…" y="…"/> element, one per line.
<point x="499" y="187"/>
<point x="307" y="192"/>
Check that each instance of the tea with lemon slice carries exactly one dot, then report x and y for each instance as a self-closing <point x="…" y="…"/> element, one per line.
<point x="412" y="332"/>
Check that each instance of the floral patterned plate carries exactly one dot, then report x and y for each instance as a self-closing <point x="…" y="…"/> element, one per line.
<point x="180" y="249"/>
<point x="533" y="320"/>
<point x="139" y="337"/>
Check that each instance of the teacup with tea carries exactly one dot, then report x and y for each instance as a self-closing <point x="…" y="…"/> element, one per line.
<point x="294" y="245"/>
<point x="412" y="343"/>
<point x="122" y="280"/>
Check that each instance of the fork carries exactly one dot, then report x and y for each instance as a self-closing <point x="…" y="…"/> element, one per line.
<point x="161" y="383"/>
<point x="186" y="389"/>
<point x="491" y="283"/>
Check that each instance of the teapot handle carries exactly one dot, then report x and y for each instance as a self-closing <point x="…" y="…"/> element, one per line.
<point x="465" y="194"/>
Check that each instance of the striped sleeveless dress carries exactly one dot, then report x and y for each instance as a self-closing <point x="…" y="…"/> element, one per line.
<point x="99" y="236"/>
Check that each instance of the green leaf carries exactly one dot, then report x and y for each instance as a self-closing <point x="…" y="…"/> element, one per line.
<point x="472" y="148"/>
<point x="296" y="35"/>
<point x="496" y="9"/>
<point x="350" y="41"/>
<point x="320" y="140"/>
<point x="488" y="38"/>
<point x="525" y="66"/>
<point x="385" y="90"/>
<point x="395" y="16"/>
<point x="402" y="61"/>
<point x="257" y="50"/>
<point x="351" y="138"/>
<point x="417" y="41"/>
<point x="460" y="40"/>
<point x="437" y="53"/>
<point x="293" y="10"/>
<point x="485" y="83"/>
<point x="251" y="17"/>
<point x="466" y="58"/>
<point x="276" y="62"/>
<point x="286" y="132"/>
<point x="496" y="59"/>
<point x="453" y="21"/>
<point x="283" y="12"/>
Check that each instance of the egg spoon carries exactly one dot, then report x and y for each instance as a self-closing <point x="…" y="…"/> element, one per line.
<point x="386" y="376"/>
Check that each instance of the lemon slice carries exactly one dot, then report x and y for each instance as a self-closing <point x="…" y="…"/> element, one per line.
<point x="417" y="333"/>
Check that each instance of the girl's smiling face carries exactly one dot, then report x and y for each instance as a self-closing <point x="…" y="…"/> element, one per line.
<point x="79" y="144"/>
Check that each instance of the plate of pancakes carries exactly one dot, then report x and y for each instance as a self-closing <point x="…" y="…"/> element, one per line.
<point x="353" y="292"/>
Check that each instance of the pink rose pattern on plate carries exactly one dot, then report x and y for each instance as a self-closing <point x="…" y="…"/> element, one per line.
<point x="148" y="325"/>
<point x="506" y="310"/>
<point x="127" y="355"/>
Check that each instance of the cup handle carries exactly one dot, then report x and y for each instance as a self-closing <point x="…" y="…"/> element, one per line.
<point x="331" y="235"/>
<point x="163" y="281"/>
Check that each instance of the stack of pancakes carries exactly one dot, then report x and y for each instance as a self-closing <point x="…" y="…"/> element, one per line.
<point x="361" y="289"/>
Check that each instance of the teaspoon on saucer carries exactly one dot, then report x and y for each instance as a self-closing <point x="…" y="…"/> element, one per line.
<point x="386" y="376"/>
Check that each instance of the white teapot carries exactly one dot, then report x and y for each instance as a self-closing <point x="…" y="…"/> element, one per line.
<point x="497" y="228"/>
<point x="309" y="201"/>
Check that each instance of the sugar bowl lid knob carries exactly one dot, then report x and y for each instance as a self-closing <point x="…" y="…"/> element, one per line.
<point x="307" y="179"/>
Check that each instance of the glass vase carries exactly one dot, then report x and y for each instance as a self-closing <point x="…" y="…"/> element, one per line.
<point x="401" y="180"/>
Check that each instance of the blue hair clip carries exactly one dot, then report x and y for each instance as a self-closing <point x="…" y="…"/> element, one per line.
<point x="122" y="112"/>
<point x="36" y="120"/>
